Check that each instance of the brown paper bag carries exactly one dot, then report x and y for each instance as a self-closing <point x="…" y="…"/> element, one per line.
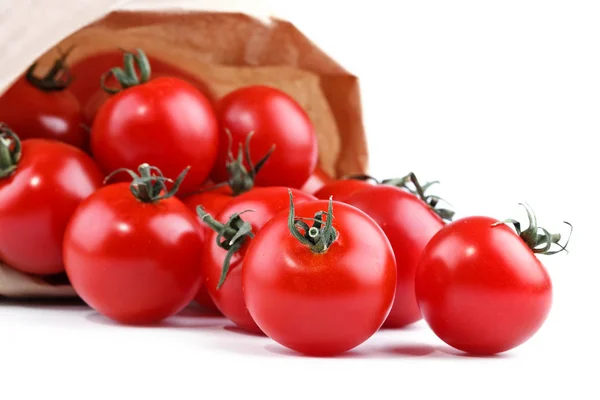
<point x="226" y="51"/>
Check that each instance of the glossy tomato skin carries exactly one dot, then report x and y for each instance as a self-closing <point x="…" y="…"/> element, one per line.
<point x="409" y="224"/>
<point x="37" y="201"/>
<point x="320" y="304"/>
<point x="34" y="113"/>
<point x="480" y="288"/>
<point x="212" y="200"/>
<point x="266" y="202"/>
<point x="276" y="119"/>
<point x="166" y="123"/>
<point x="134" y="262"/>
<point x="316" y="181"/>
<point x="342" y="189"/>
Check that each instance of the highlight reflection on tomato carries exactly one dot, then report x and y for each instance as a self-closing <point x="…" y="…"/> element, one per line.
<point x="133" y="251"/>
<point x="264" y="203"/>
<point x="164" y="122"/>
<point x="41" y="183"/>
<point x="480" y="286"/>
<point x="325" y="289"/>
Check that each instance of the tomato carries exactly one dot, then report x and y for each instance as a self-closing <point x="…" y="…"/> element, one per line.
<point x="41" y="183"/>
<point x="133" y="252"/>
<point x="341" y="189"/>
<point x="44" y="107"/>
<point x="89" y="70"/>
<point x="213" y="198"/>
<point x="323" y="290"/>
<point x="316" y="181"/>
<point x="276" y="119"/>
<point x="264" y="203"/>
<point x="166" y="122"/>
<point x="481" y="288"/>
<point x="409" y="224"/>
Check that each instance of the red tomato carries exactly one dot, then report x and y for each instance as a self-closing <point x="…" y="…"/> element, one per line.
<point x="320" y="296"/>
<point x="38" y="198"/>
<point x="481" y="288"/>
<point x="342" y="189"/>
<point x="276" y="119"/>
<point x="135" y="259"/>
<point x="316" y="181"/>
<point x="265" y="203"/>
<point x="409" y="224"/>
<point x="166" y="122"/>
<point x="44" y="107"/>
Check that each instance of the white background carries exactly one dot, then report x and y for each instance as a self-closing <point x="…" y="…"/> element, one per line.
<point x="500" y="101"/>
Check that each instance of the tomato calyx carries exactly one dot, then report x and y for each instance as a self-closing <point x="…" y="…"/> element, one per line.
<point x="56" y="79"/>
<point x="318" y="237"/>
<point x="241" y="180"/>
<point x="10" y="151"/>
<point x="411" y="184"/>
<point x="128" y="76"/>
<point x="231" y="236"/>
<point x="150" y="185"/>
<point x="538" y="239"/>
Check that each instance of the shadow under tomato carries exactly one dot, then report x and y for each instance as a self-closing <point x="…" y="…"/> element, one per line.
<point x="196" y="310"/>
<point x="415" y="326"/>
<point x="458" y="353"/>
<point x="408" y="350"/>
<point x="358" y="353"/>
<point x="70" y="303"/>
<point x="239" y="331"/>
<point x="193" y="322"/>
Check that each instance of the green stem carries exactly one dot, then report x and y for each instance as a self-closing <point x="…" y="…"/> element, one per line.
<point x="319" y="237"/>
<point x="10" y="151"/>
<point x="127" y="76"/>
<point x="420" y="191"/>
<point x="231" y="236"/>
<point x="150" y="185"/>
<point x="538" y="239"/>
<point x="241" y="180"/>
<point x="56" y="79"/>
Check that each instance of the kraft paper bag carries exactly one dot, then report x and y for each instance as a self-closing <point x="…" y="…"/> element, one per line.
<point x="224" y="51"/>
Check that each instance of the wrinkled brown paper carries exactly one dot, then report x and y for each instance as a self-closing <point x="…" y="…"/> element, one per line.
<point x="227" y="51"/>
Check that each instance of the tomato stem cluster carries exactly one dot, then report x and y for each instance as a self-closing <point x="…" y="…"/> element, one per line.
<point x="231" y="236"/>
<point x="241" y="179"/>
<point x="538" y="239"/>
<point x="10" y="151"/>
<point x="420" y="191"/>
<point x="57" y="78"/>
<point x="128" y="76"/>
<point x="150" y="185"/>
<point x="411" y="183"/>
<point x="319" y="237"/>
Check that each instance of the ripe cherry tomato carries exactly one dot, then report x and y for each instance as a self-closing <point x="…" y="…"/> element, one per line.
<point x="321" y="290"/>
<point x="276" y="119"/>
<point x="44" y="107"/>
<point x="41" y="183"/>
<point x="265" y="203"/>
<point x="316" y="181"/>
<point x="166" y="122"/>
<point x="409" y="223"/>
<point x="342" y="189"/>
<point x="133" y="252"/>
<point x="481" y="288"/>
<point x="213" y="198"/>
